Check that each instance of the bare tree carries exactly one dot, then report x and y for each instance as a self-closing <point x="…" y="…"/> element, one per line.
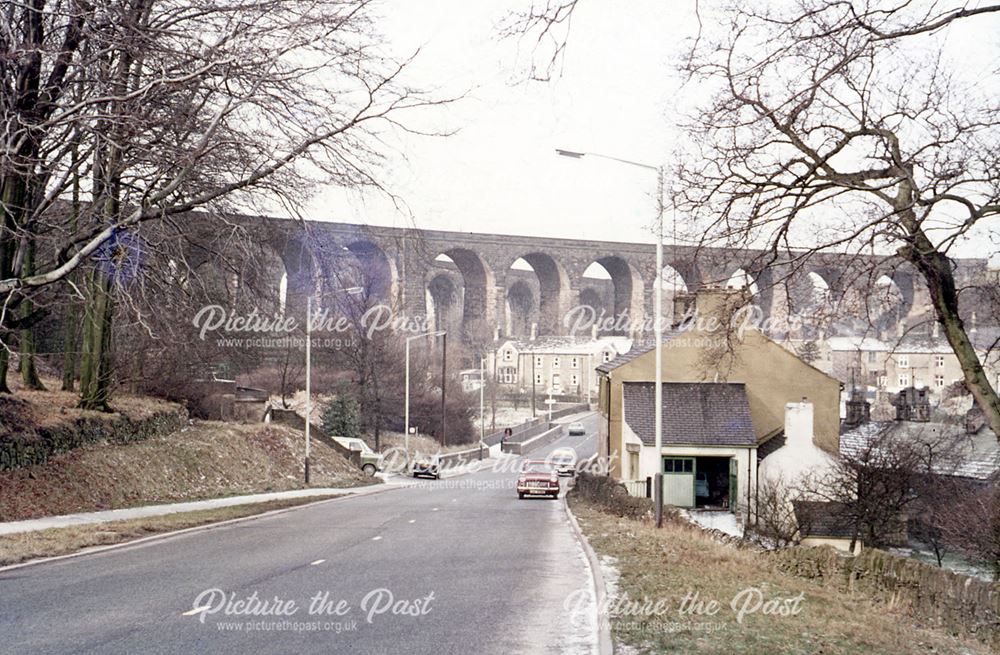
<point x="830" y="130"/>
<point x="163" y="106"/>
<point x="822" y="125"/>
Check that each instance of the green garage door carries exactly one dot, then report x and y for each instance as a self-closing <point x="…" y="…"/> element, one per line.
<point x="678" y="481"/>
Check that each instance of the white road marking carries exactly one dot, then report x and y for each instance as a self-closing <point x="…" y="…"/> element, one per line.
<point x="196" y="610"/>
<point x="412" y="521"/>
<point x="317" y="562"/>
<point x="376" y="538"/>
<point x="435" y="509"/>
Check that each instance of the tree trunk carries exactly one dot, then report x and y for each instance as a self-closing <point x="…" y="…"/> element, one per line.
<point x="936" y="269"/>
<point x="12" y="196"/>
<point x="95" y="369"/>
<point x="71" y="336"/>
<point x="29" y="371"/>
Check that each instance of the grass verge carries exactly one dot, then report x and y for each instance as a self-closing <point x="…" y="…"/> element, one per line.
<point x="680" y="562"/>
<point x="24" y="546"/>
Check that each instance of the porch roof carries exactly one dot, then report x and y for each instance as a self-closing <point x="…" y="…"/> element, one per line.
<point x="694" y="413"/>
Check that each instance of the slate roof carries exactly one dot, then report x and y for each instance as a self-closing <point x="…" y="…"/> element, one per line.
<point x="568" y="345"/>
<point x="976" y="457"/>
<point x="694" y="413"/>
<point x="638" y="348"/>
<point x="822" y="519"/>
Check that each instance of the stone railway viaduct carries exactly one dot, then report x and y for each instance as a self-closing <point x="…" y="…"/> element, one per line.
<point x="467" y="278"/>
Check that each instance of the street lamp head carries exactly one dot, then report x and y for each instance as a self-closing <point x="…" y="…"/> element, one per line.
<point x="353" y="291"/>
<point x="570" y="153"/>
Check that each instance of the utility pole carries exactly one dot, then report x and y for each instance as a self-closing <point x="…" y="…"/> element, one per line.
<point x="533" y="379"/>
<point x="493" y="392"/>
<point x="308" y="378"/>
<point x="444" y="377"/>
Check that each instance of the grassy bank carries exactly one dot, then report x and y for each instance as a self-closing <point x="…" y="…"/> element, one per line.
<point x="680" y="563"/>
<point x="22" y="547"/>
<point x="204" y="460"/>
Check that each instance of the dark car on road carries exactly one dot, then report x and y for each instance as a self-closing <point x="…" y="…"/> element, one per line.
<point x="427" y="465"/>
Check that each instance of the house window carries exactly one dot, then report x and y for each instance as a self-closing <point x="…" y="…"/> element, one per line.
<point x="574" y="380"/>
<point x="678" y="465"/>
<point x="574" y="362"/>
<point x="903" y="361"/>
<point x="607" y="355"/>
<point x="939" y="361"/>
<point x="633" y="465"/>
<point x="539" y="361"/>
<point x="538" y="379"/>
<point x="556" y="383"/>
<point x="939" y="381"/>
<point x="872" y="356"/>
<point x="882" y="381"/>
<point x="507" y="374"/>
<point x="508" y="355"/>
<point x="555" y="362"/>
<point x="903" y="380"/>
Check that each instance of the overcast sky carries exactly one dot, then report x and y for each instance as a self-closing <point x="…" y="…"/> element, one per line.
<point x="615" y="93"/>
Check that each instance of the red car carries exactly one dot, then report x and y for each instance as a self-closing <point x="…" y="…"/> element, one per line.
<point x="538" y="478"/>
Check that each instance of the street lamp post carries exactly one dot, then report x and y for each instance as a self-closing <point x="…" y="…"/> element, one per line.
<point x="406" y="386"/>
<point x="657" y="323"/>
<point x="482" y="404"/>
<point x="349" y="291"/>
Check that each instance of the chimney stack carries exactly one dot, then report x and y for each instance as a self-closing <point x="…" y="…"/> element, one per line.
<point x="857" y="409"/>
<point x="593" y="331"/>
<point x="534" y="332"/>
<point x="936" y="330"/>
<point x="799" y="423"/>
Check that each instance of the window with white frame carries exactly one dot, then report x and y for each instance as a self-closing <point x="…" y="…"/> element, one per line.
<point x="574" y="362"/>
<point x="556" y="383"/>
<point x="555" y="362"/>
<point x="574" y="380"/>
<point x="508" y="355"/>
<point x="508" y="374"/>
<point x="939" y="381"/>
<point x="939" y="361"/>
<point x="607" y="355"/>
<point x="903" y="361"/>
<point x="872" y="356"/>
<point x="903" y="380"/>
<point x="882" y="380"/>
<point x="539" y="361"/>
<point x="538" y="379"/>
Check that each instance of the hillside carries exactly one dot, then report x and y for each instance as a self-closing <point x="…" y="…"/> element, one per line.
<point x="147" y="453"/>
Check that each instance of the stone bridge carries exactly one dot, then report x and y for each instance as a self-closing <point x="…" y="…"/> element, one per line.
<point x="511" y="285"/>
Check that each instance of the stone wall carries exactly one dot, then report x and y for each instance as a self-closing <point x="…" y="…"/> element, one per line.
<point x="952" y="602"/>
<point x="35" y="445"/>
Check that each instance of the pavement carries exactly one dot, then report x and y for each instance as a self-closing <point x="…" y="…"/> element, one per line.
<point x="88" y="518"/>
<point x="457" y="565"/>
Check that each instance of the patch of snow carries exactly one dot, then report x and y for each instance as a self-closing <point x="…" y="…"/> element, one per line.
<point x="726" y="522"/>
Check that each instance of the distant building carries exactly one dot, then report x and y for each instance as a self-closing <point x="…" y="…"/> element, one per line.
<point x="918" y="359"/>
<point x="563" y="366"/>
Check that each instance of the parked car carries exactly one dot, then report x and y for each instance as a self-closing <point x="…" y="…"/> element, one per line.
<point x="370" y="460"/>
<point x="701" y="485"/>
<point x="563" y="460"/>
<point x="577" y="428"/>
<point x="429" y="465"/>
<point x="538" y="478"/>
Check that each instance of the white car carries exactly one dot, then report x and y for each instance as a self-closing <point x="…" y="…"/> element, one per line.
<point x="563" y="460"/>
<point x="370" y="461"/>
<point x="577" y="428"/>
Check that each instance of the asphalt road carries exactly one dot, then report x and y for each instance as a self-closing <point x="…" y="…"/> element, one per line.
<point x="457" y="565"/>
